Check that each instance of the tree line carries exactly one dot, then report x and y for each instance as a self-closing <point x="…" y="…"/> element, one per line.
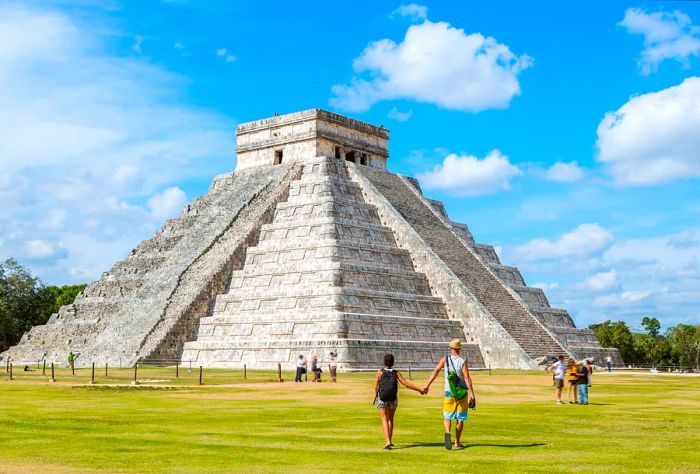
<point x="25" y="301"/>
<point x="677" y="346"/>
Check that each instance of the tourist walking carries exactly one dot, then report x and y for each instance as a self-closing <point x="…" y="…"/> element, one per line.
<point x="71" y="360"/>
<point x="572" y="380"/>
<point x="386" y="396"/>
<point x="608" y="362"/>
<point x="315" y="369"/>
<point x="301" y="368"/>
<point x="582" y="372"/>
<point x="332" y="365"/>
<point x="558" y="370"/>
<point x="458" y="388"/>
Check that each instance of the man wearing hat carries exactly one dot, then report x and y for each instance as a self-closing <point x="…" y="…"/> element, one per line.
<point x="454" y="409"/>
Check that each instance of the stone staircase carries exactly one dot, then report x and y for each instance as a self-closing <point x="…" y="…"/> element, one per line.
<point x="145" y="305"/>
<point x="472" y="270"/>
<point x="326" y="276"/>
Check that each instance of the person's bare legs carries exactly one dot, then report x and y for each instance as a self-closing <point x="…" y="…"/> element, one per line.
<point x="559" y="395"/>
<point x="385" y="426"/>
<point x="390" y="418"/>
<point x="459" y="426"/>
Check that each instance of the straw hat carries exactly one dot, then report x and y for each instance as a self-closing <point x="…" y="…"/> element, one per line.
<point x="455" y="344"/>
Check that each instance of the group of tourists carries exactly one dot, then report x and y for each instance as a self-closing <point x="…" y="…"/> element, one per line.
<point x="315" y="367"/>
<point x="459" y="394"/>
<point x="576" y="375"/>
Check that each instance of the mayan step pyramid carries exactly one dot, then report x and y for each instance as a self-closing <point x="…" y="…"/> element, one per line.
<point x="310" y="246"/>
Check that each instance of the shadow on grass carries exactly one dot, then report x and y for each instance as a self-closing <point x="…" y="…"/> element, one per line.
<point x="476" y="445"/>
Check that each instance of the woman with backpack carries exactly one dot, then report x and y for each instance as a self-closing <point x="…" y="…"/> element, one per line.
<point x="386" y="399"/>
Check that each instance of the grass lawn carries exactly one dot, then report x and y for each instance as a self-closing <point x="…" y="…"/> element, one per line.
<point x="639" y="423"/>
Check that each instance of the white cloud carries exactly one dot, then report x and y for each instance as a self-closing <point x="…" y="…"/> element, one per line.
<point x="626" y="298"/>
<point x="42" y="251"/>
<point x="546" y="286"/>
<point x="584" y="240"/>
<point x="399" y="116"/>
<point x="435" y="63"/>
<point x="223" y="53"/>
<point x="601" y="281"/>
<point x="654" y="137"/>
<point x="87" y="137"/>
<point x="138" y="42"/>
<point x="667" y="35"/>
<point x="564" y="172"/>
<point x="468" y="175"/>
<point x="412" y="11"/>
<point x="179" y="46"/>
<point x="168" y="203"/>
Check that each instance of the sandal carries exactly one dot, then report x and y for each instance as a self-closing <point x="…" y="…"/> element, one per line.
<point x="448" y="441"/>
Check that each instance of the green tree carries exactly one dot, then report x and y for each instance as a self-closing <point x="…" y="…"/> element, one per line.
<point x="685" y="344"/>
<point x="652" y="326"/>
<point x="617" y="334"/>
<point x="26" y="302"/>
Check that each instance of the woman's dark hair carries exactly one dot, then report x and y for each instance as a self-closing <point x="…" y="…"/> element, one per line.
<point x="389" y="360"/>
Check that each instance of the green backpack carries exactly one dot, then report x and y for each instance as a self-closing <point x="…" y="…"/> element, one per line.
<point x="458" y="392"/>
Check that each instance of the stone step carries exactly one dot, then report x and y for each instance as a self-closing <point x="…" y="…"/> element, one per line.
<point x="328" y="228"/>
<point x="354" y="354"/>
<point x="463" y="232"/>
<point x="113" y="288"/>
<point x="325" y="206"/>
<point x="335" y="298"/>
<point x="487" y="253"/>
<point x="531" y="296"/>
<point x="553" y="317"/>
<point x="327" y="326"/>
<point x="327" y="272"/>
<point x="138" y="265"/>
<point x="273" y="253"/>
<point x="324" y="186"/>
<point x="510" y="275"/>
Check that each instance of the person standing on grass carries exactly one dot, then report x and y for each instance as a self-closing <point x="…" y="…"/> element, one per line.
<point x="608" y="362"/>
<point x="572" y="380"/>
<point x="589" y="366"/>
<point x="453" y="408"/>
<point x="582" y="372"/>
<point x="558" y="370"/>
<point x="71" y="360"/>
<point x="301" y="368"/>
<point x="386" y="396"/>
<point x="332" y="366"/>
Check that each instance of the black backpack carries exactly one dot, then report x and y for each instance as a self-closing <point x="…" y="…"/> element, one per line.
<point x="388" y="386"/>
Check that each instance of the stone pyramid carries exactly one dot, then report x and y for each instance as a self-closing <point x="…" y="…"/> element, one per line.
<point x="310" y="246"/>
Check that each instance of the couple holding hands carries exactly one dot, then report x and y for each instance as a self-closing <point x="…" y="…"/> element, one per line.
<point x="459" y="393"/>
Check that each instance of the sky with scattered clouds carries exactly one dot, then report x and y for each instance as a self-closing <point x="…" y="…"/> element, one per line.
<point x="567" y="135"/>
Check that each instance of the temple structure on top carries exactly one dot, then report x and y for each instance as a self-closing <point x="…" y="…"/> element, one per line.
<point x="310" y="246"/>
<point x="305" y="135"/>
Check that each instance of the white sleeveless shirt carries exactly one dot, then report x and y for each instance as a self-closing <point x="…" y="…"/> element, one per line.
<point x="454" y="363"/>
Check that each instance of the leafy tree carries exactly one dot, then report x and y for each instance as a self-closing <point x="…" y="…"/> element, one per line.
<point x="618" y="335"/>
<point x="652" y="326"/>
<point x="26" y="302"/>
<point x="685" y="344"/>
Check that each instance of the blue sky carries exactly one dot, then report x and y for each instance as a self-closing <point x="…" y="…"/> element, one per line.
<point x="566" y="135"/>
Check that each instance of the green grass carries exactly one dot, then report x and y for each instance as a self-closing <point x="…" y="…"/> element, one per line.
<point x="637" y="423"/>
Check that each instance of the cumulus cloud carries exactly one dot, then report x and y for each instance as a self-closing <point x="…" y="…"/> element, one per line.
<point x="412" y="11"/>
<point x="584" y="240"/>
<point x="435" y="63"/>
<point x="653" y="138"/>
<point x="467" y="175"/>
<point x="399" y="116"/>
<point x="667" y="35"/>
<point x="601" y="281"/>
<point x="625" y="298"/>
<point x="564" y="172"/>
<point x="223" y="53"/>
<point x="87" y="137"/>
<point x="168" y="203"/>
